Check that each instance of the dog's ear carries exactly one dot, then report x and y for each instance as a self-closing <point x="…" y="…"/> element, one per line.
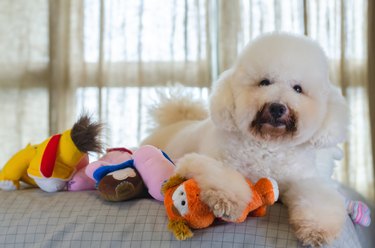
<point x="334" y="128"/>
<point x="222" y="102"/>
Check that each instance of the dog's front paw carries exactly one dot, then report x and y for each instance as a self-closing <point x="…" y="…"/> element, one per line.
<point x="222" y="208"/>
<point x="312" y="236"/>
<point x="316" y="211"/>
<point x="317" y="229"/>
<point x="221" y="205"/>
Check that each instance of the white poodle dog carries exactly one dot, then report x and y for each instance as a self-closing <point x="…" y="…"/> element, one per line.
<point x="269" y="116"/>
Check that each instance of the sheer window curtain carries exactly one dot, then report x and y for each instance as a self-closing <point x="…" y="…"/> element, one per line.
<point x="24" y="74"/>
<point x="60" y="58"/>
<point x="114" y="54"/>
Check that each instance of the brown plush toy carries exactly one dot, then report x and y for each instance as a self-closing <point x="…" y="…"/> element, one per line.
<point x="185" y="209"/>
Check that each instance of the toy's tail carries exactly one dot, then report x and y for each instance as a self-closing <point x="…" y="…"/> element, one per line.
<point x="177" y="107"/>
<point x="85" y="135"/>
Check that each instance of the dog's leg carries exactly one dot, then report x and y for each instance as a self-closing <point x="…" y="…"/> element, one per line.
<point x="316" y="211"/>
<point x="222" y="188"/>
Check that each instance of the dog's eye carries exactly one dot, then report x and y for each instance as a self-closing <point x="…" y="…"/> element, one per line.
<point x="297" y="88"/>
<point x="264" y="82"/>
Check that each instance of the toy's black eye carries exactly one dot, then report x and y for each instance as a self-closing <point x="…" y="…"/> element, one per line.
<point x="181" y="193"/>
<point x="183" y="203"/>
<point x="297" y="88"/>
<point x="264" y="82"/>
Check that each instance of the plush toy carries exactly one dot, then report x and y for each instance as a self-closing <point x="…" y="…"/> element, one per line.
<point x="119" y="182"/>
<point x="149" y="167"/>
<point x="359" y="212"/>
<point x="50" y="164"/>
<point x="83" y="179"/>
<point x="185" y="209"/>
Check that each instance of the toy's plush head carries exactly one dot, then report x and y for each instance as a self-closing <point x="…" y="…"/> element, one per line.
<point x="184" y="207"/>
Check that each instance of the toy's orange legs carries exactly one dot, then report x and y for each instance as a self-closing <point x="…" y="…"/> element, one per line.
<point x="259" y="212"/>
<point x="264" y="193"/>
<point x="255" y="205"/>
<point x="267" y="189"/>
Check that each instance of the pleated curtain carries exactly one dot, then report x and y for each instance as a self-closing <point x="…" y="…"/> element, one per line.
<point x="62" y="58"/>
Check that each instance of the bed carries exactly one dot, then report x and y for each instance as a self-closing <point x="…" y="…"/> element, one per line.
<point x="33" y="218"/>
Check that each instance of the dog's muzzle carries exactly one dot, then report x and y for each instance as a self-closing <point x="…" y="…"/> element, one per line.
<point x="274" y="120"/>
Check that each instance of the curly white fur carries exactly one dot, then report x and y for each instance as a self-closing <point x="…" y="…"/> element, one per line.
<point x="317" y="115"/>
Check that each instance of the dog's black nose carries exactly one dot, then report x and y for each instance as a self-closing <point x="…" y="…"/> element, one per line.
<point x="277" y="110"/>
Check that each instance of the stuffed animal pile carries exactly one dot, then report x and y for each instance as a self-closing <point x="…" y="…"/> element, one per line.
<point x="61" y="162"/>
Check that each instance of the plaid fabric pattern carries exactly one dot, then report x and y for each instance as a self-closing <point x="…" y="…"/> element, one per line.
<point x="33" y="218"/>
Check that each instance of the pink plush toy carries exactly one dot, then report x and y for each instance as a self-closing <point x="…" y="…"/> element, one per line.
<point x="155" y="168"/>
<point x="83" y="179"/>
<point x="119" y="182"/>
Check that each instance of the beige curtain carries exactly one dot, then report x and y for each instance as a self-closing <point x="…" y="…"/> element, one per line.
<point x="371" y="74"/>
<point x="101" y="57"/>
<point x="115" y="53"/>
<point x="24" y="74"/>
<point x="64" y="57"/>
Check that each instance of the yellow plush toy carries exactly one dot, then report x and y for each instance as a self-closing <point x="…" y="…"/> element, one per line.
<point x="50" y="164"/>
